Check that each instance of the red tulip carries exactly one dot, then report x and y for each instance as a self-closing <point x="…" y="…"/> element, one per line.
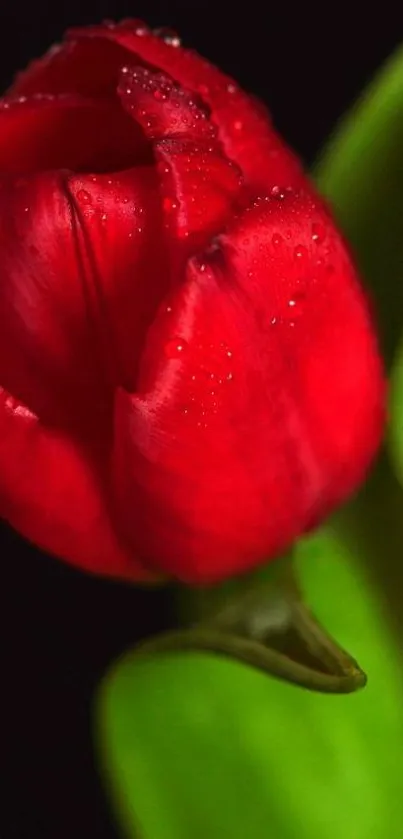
<point x="190" y="376"/>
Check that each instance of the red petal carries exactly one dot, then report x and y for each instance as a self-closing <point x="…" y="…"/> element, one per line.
<point x="78" y="254"/>
<point x="89" y="68"/>
<point x="46" y="357"/>
<point x="163" y="108"/>
<point x="244" y="129"/>
<point x="199" y="184"/>
<point x="260" y="399"/>
<point x="67" y="132"/>
<point x="52" y="494"/>
<point x="121" y="221"/>
<point x="200" y="190"/>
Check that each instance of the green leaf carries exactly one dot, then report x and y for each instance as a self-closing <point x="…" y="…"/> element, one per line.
<point x="395" y="436"/>
<point x="195" y="746"/>
<point x="361" y="172"/>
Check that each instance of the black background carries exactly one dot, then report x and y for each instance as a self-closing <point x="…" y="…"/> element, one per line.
<point x="60" y="629"/>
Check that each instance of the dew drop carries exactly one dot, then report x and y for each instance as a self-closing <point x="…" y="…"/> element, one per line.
<point x="169" y="205"/>
<point x="277" y="192"/>
<point x="141" y="30"/>
<point x="169" y="36"/>
<point x="300" y="252"/>
<point x="175" y="348"/>
<point x="318" y="232"/>
<point x="276" y="239"/>
<point x="84" y="197"/>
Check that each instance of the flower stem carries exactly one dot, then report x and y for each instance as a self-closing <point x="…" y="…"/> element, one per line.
<point x="264" y="623"/>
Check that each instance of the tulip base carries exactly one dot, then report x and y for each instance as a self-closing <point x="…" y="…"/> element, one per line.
<point x="265" y="624"/>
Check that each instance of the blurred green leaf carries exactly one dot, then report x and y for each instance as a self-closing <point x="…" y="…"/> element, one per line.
<point x="396" y="415"/>
<point x="201" y="747"/>
<point x="361" y="173"/>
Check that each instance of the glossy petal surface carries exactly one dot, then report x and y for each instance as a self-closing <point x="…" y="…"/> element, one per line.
<point x="230" y="448"/>
<point x="185" y="353"/>
<point x="55" y="493"/>
<point x="77" y="254"/>
<point x="90" y="61"/>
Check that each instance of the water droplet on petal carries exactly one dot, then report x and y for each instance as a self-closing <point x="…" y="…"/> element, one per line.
<point x="169" y="36"/>
<point x="169" y="205"/>
<point x="84" y="197"/>
<point x="141" y="30"/>
<point x="276" y="239"/>
<point x="175" y="348"/>
<point x="277" y="192"/>
<point x="300" y="252"/>
<point x="318" y="232"/>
